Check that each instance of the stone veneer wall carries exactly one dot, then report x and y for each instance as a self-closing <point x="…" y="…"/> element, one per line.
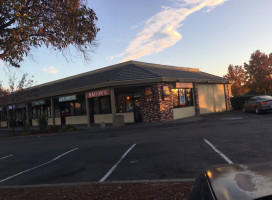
<point x="227" y="96"/>
<point x="159" y="109"/>
<point x="196" y="99"/>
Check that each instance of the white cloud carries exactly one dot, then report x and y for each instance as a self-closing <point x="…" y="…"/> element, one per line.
<point x="50" y="70"/>
<point x="110" y="58"/>
<point x="160" y="31"/>
<point x="133" y="27"/>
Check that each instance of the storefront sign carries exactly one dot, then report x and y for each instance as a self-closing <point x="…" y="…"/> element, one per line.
<point x="67" y="98"/>
<point x="180" y="85"/>
<point x="10" y="107"/>
<point x="38" y="102"/>
<point x="148" y="94"/>
<point x="98" y="93"/>
<point x="22" y="105"/>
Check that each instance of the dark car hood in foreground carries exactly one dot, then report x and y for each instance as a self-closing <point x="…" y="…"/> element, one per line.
<point x="235" y="181"/>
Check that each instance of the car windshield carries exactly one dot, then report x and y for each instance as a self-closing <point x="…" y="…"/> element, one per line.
<point x="267" y="98"/>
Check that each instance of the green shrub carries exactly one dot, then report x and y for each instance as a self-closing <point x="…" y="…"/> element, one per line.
<point x="43" y="123"/>
<point x="239" y="101"/>
<point x="62" y="129"/>
<point x="54" y="129"/>
<point x="70" y="128"/>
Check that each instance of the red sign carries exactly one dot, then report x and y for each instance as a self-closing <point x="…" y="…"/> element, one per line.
<point x="98" y="93"/>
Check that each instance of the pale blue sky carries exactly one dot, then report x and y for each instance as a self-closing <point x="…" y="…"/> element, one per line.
<point x="206" y="34"/>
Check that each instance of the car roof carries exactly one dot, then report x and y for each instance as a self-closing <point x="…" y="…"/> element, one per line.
<point x="235" y="181"/>
<point x="261" y="96"/>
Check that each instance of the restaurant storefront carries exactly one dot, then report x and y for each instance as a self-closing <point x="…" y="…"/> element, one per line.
<point x="70" y="109"/>
<point x="38" y="108"/>
<point x="140" y="92"/>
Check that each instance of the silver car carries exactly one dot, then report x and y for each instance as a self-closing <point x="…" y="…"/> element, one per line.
<point x="258" y="104"/>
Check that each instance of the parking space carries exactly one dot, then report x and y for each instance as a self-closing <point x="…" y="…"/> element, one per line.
<point x="141" y="152"/>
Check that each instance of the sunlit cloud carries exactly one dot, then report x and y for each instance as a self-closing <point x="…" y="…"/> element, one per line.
<point x="161" y="30"/>
<point x="50" y="70"/>
<point x="110" y="58"/>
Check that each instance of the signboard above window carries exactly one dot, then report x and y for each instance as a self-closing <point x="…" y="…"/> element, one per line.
<point x="148" y="94"/>
<point x="21" y="105"/>
<point x="38" y="102"/>
<point x="180" y="85"/>
<point x="98" y="93"/>
<point x="10" y="107"/>
<point x="67" y="98"/>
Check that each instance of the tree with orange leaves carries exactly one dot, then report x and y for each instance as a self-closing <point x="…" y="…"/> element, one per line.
<point x="236" y="75"/>
<point x="27" y="24"/>
<point x="258" y="73"/>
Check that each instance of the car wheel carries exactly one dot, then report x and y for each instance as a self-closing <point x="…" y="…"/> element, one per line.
<point x="244" y="109"/>
<point x="257" y="110"/>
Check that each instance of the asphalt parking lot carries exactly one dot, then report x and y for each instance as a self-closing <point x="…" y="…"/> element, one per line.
<point x="163" y="151"/>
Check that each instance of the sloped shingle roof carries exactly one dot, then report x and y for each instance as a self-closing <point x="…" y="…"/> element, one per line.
<point x="125" y="72"/>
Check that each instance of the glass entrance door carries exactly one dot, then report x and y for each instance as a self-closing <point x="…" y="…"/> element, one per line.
<point x="92" y="111"/>
<point x="62" y="113"/>
<point x="137" y="112"/>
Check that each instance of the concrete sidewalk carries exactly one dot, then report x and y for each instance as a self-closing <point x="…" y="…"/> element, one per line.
<point x="8" y="132"/>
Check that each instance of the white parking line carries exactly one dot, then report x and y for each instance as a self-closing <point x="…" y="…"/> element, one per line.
<point x="5" y="157"/>
<point x="10" y="177"/>
<point x="219" y="152"/>
<point x="116" y="164"/>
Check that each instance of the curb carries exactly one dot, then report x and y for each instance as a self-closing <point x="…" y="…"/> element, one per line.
<point x="103" y="183"/>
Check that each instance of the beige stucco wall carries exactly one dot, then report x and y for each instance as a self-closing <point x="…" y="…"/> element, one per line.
<point x="3" y="124"/>
<point x="77" y="119"/>
<point x="211" y="98"/>
<point x="129" y="117"/>
<point x="107" y="118"/>
<point x="50" y="121"/>
<point x="57" y="121"/>
<point x="184" y="112"/>
<point x="35" y="122"/>
<point x="219" y="98"/>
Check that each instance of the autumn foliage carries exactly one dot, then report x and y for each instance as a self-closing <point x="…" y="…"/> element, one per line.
<point x="57" y="24"/>
<point x="253" y="77"/>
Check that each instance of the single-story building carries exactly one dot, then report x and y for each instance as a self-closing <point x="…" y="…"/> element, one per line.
<point x="141" y="92"/>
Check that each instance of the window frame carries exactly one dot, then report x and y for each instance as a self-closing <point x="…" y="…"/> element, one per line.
<point x="190" y="103"/>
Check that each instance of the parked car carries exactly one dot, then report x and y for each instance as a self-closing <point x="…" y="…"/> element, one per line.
<point x="258" y="104"/>
<point x="233" y="181"/>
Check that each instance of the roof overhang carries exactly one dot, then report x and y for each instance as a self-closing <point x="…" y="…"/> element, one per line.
<point x="129" y="83"/>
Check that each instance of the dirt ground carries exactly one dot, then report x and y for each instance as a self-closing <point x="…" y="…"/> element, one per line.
<point x="112" y="191"/>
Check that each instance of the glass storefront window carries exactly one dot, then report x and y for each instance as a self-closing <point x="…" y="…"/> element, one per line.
<point x="72" y="108"/>
<point x="34" y="113"/>
<point x="83" y="107"/>
<point x="49" y="112"/>
<point x="102" y="105"/>
<point x="129" y="103"/>
<point x="57" y="109"/>
<point x="175" y="97"/>
<point x="105" y="104"/>
<point x="78" y="108"/>
<point x="75" y="107"/>
<point x="121" y="103"/>
<point x="182" y="97"/>
<point x="96" y="106"/>
<point x="124" y="103"/>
